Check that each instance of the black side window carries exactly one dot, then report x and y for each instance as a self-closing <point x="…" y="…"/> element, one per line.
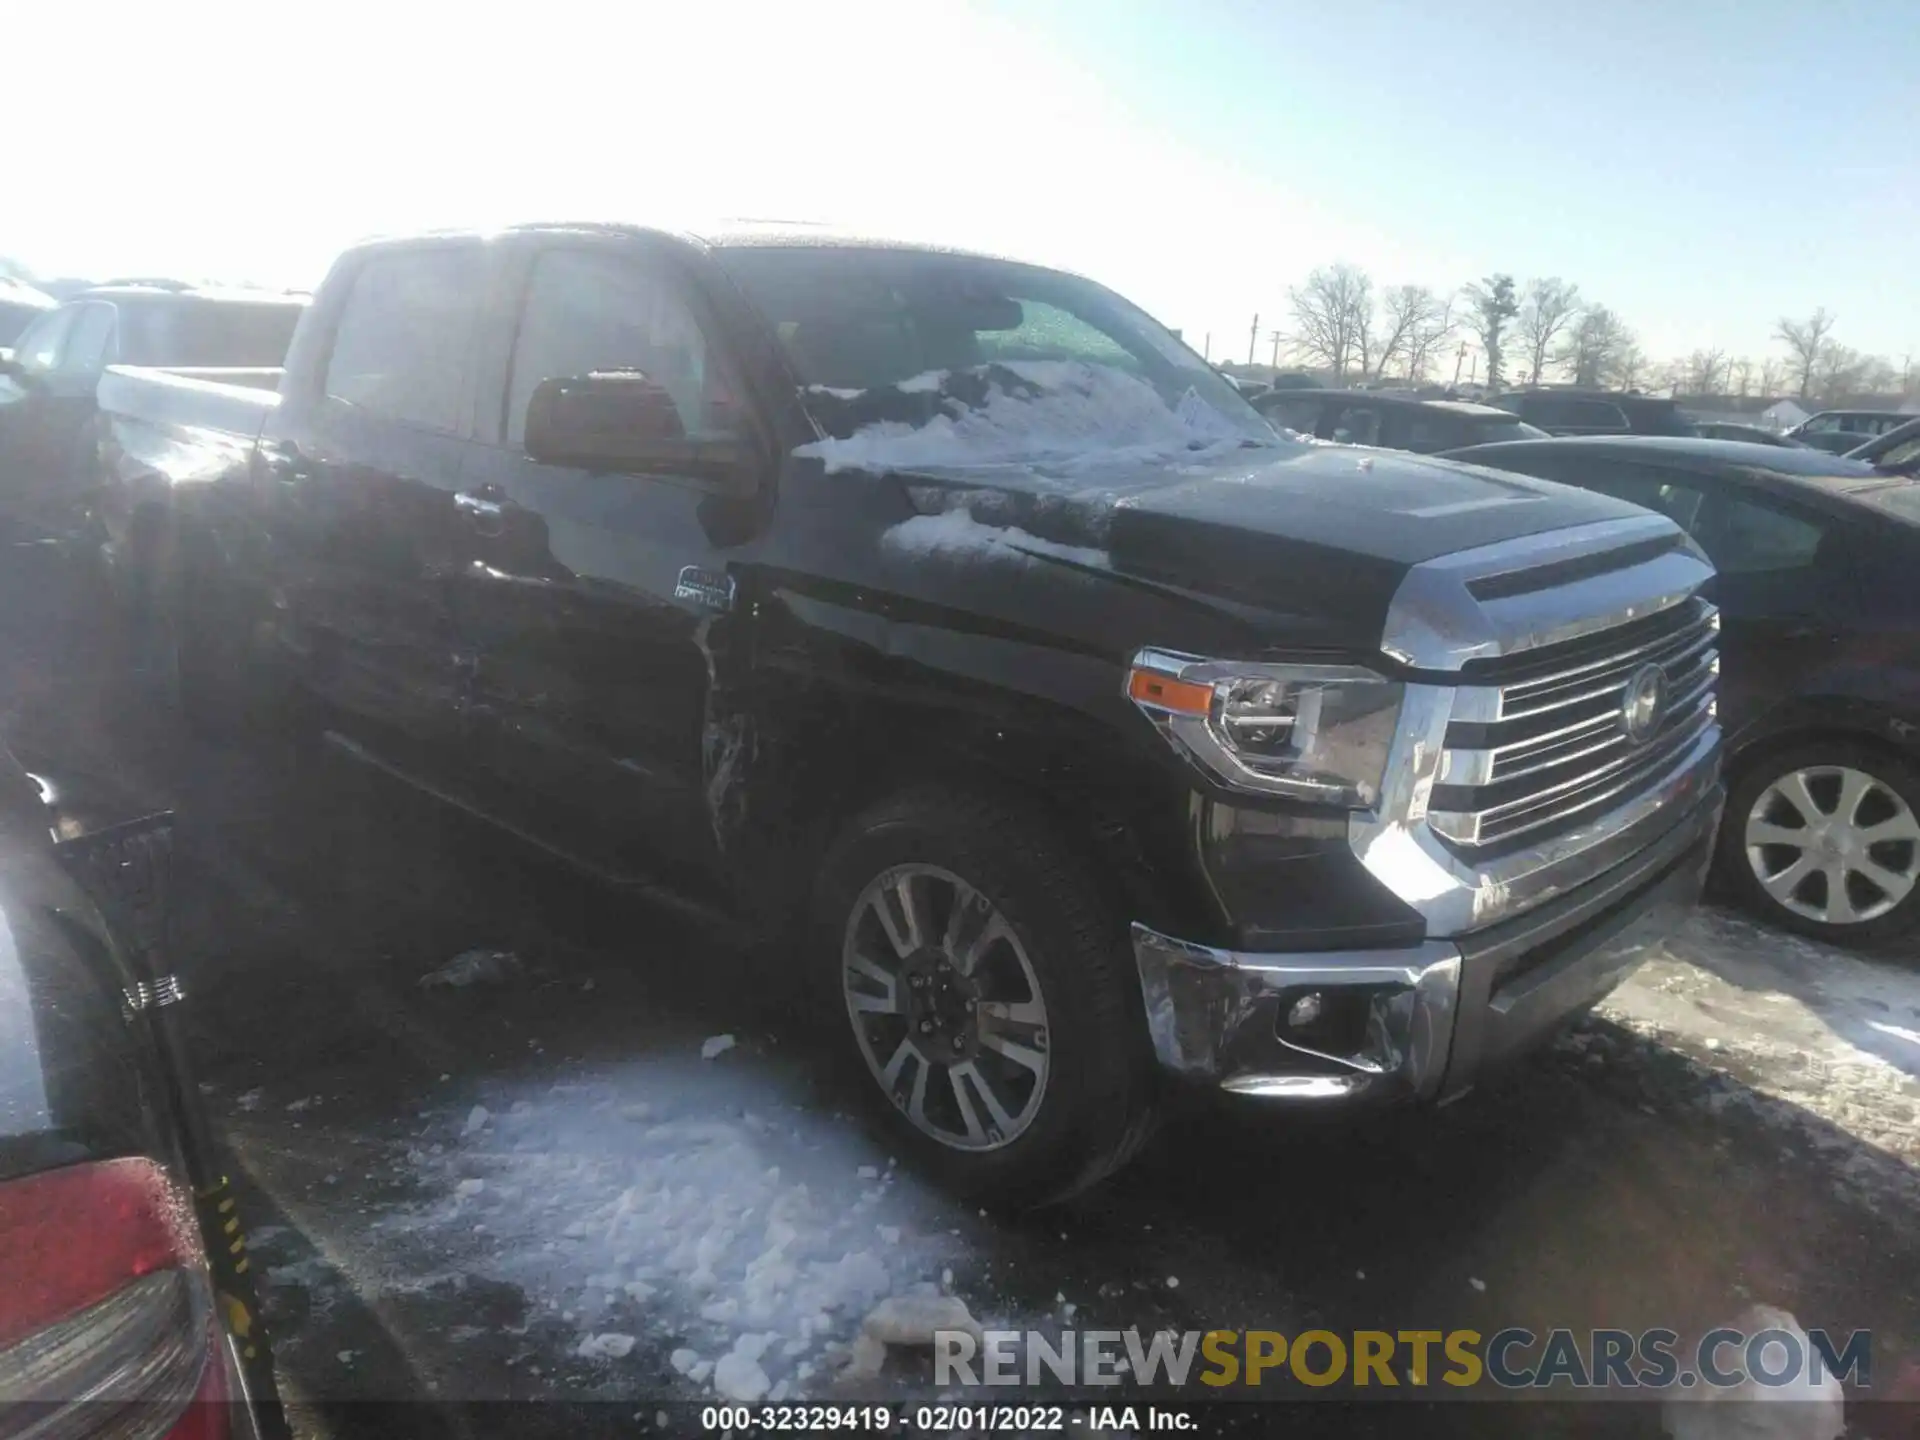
<point x="588" y="311"/>
<point x="1747" y="537"/>
<point x="1427" y="432"/>
<point x="403" y="343"/>
<point x="1357" y="425"/>
<point x="1301" y="415"/>
<point x="88" y="342"/>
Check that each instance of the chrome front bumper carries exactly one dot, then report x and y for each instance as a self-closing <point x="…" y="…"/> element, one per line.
<point x="1420" y="1023"/>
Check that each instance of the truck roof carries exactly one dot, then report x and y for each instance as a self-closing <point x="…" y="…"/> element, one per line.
<point x="210" y="294"/>
<point x="711" y="235"/>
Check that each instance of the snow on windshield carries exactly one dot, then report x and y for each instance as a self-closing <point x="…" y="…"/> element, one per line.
<point x="1056" y="412"/>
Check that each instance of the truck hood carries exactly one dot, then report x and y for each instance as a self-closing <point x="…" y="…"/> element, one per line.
<point x="1318" y="535"/>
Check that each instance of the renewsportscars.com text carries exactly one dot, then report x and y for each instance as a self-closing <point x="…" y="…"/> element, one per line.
<point x="1511" y="1359"/>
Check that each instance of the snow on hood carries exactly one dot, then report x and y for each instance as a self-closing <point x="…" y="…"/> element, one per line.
<point x="1054" y="412"/>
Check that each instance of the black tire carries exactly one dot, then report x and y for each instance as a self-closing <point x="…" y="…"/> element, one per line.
<point x="1827" y="759"/>
<point x="1098" y="1103"/>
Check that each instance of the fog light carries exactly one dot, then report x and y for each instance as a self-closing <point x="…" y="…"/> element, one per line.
<point x="1304" y="1011"/>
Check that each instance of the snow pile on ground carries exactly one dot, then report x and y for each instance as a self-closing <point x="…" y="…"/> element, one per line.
<point x="1834" y="1035"/>
<point x="1807" y="1409"/>
<point x="1063" y="414"/>
<point x="680" y="1202"/>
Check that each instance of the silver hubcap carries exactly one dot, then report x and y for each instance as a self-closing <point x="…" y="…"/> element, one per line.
<point x="1834" y="844"/>
<point x="946" y="1007"/>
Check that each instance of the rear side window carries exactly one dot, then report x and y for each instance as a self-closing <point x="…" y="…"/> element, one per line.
<point x="92" y="333"/>
<point x="233" y="334"/>
<point x="1298" y="415"/>
<point x="1428" y="431"/>
<point x="1356" y="425"/>
<point x="404" y="338"/>
<point x="1564" y="412"/>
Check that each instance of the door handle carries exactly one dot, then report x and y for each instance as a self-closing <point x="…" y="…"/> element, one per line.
<point x="488" y="516"/>
<point x="478" y="505"/>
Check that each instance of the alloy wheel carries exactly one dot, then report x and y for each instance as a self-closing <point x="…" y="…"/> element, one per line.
<point x="946" y="1007"/>
<point x="1833" y="844"/>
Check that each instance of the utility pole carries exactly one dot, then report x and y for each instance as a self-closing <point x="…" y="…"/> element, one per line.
<point x="1458" y="361"/>
<point x="1276" y="351"/>
<point x="1206" y="349"/>
<point x="1253" y="336"/>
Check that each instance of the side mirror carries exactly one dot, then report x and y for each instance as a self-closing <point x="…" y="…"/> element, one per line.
<point x="621" y="420"/>
<point x="11" y="367"/>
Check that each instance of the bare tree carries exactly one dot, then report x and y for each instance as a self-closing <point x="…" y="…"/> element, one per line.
<point x="1592" y="346"/>
<point x="1879" y="376"/>
<point x="1491" y="306"/>
<point x="1332" y="315"/>
<point x="1430" y="333"/>
<point x="1740" y="377"/>
<point x="1806" y="341"/>
<point x="1772" y="376"/>
<point x="1700" y="373"/>
<point x="1405" y="308"/>
<point x="1630" y="367"/>
<point x="1842" y="374"/>
<point x="1550" y="307"/>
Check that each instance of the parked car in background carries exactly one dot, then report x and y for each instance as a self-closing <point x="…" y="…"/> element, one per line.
<point x="1895" y="453"/>
<point x="1838" y="431"/>
<point x="1750" y="434"/>
<point x="1819" y="595"/>
<point x="1563" y="410"/>
<point x="20" y="306"/>
<point x="788" y="575"/>
<point x="127" y="1307"/>
<point x="1393" y="422"/>
<point x="47" y="406"/>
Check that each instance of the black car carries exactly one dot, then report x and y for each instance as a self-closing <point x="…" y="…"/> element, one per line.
<point x="947" y="616"/>
<point x="1750" y="434"/>
<point x="127" y="1306"/>
<point x="1560" y="410"/>
<point x="1819" y="596"/>
<point x="1896" y="453"/>
<point x="1839" y="431"/>
<point x="47" y="386"/>
<point x="1393" y="422"/>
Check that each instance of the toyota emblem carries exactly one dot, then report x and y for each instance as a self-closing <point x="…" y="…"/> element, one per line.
<point x="1644" y="705"/>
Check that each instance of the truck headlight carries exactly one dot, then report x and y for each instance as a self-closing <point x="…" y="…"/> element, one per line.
<point x="1307" y="732"/>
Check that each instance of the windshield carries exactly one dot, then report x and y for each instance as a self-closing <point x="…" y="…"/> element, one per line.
<point x="227" y="333"/>
<point x="906" y="338"/>
<point x="1902" y="501"/>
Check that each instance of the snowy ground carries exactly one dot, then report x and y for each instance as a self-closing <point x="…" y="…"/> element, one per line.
<point x="1816" y="1031"/>
<point x="538" y="1188"/>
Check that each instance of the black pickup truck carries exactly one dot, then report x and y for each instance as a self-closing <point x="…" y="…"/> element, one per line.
<point x="949" y="619"/>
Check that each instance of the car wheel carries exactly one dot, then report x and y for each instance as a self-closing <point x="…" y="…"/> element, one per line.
<point x="1825" y="840"/>
<point x="984" y="997"/>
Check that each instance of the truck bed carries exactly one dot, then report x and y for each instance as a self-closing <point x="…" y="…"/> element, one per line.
<point x="233" y="403"/>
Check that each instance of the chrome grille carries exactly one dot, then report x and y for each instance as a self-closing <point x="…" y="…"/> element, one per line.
<point x="1548" y="744"/>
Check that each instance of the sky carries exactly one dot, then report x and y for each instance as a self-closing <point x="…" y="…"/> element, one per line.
<point x="1703" y="167"/>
